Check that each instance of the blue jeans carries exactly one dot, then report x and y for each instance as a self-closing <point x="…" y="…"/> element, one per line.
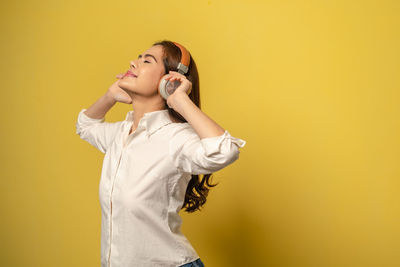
<point x="196" y="263"/>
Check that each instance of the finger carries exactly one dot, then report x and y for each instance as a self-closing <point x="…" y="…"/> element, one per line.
<point x="169" y="76"/>
<point x="176" y="73"/>
<point x="172" y="78"/>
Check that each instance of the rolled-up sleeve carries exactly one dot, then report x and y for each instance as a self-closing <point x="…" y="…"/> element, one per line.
<point x="202" y="156"/>
<point x="97" y="132"/>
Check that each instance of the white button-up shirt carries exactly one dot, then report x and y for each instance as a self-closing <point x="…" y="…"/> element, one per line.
<point x="143" y="184"/>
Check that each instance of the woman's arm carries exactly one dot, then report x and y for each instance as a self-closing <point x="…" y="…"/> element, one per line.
<point x="201" y="123"/>
<point x="91" y="125"/>
<point x="203" y="146"/>
<point x="99" y="108"/>
<point x="180" y="101"/>
<point x="97" y="132"/>
<point x="113" y="95"/>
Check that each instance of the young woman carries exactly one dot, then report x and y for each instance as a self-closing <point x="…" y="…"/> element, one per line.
<point x="154" y="159"/>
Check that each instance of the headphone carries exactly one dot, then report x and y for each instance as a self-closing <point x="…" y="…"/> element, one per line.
<point x="183" y="68"/>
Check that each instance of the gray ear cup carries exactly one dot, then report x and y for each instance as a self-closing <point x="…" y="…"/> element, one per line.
<point x="166" y="88"/>
<point x="163" y="89"/>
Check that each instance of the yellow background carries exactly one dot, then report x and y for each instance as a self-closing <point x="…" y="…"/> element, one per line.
<point x="312" y="86"/>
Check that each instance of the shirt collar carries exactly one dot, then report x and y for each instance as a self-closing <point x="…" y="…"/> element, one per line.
<point x="151" y="121"/>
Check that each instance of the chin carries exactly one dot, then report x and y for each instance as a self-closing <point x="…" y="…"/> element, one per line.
<point x="126" y="85"/>
<point x="132" y="87"/>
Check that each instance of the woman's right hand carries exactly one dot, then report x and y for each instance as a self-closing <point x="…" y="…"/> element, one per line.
<point x="117" y="93"/>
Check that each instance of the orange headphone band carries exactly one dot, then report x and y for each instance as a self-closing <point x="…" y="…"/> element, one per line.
<point x="183" y="66"/>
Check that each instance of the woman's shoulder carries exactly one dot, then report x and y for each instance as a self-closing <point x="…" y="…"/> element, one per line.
<point x="182" y="130"/>
<point x="182" y="126"/>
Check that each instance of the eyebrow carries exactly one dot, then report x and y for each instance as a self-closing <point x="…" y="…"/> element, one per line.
<point x="148" y="55"/>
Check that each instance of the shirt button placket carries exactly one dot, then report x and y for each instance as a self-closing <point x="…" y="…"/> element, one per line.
<point x="111" y="219"/>
<point x="124" y="144"/>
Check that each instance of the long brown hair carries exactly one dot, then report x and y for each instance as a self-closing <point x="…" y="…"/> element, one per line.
<point x="197" y="190"/>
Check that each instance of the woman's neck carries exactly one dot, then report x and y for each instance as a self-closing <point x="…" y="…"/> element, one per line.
<point x="142" y="105"/>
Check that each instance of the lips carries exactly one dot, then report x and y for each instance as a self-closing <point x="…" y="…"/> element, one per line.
<point x="130" y="74"/>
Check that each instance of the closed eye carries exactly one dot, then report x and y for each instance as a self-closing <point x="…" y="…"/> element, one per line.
<point x="147" y="61"/>
<point x="148" y="55"/>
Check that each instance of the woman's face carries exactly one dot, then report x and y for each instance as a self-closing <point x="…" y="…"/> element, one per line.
<point x="148" y="68"/>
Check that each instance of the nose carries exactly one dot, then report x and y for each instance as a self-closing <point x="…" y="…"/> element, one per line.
<point x="133" y="64"/>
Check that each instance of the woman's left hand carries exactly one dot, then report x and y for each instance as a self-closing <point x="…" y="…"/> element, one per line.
<point x="183" y="88"/>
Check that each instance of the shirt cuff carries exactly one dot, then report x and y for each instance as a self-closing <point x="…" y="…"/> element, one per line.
<point x="221" y="143"/>
<point x="83" y="118"/>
